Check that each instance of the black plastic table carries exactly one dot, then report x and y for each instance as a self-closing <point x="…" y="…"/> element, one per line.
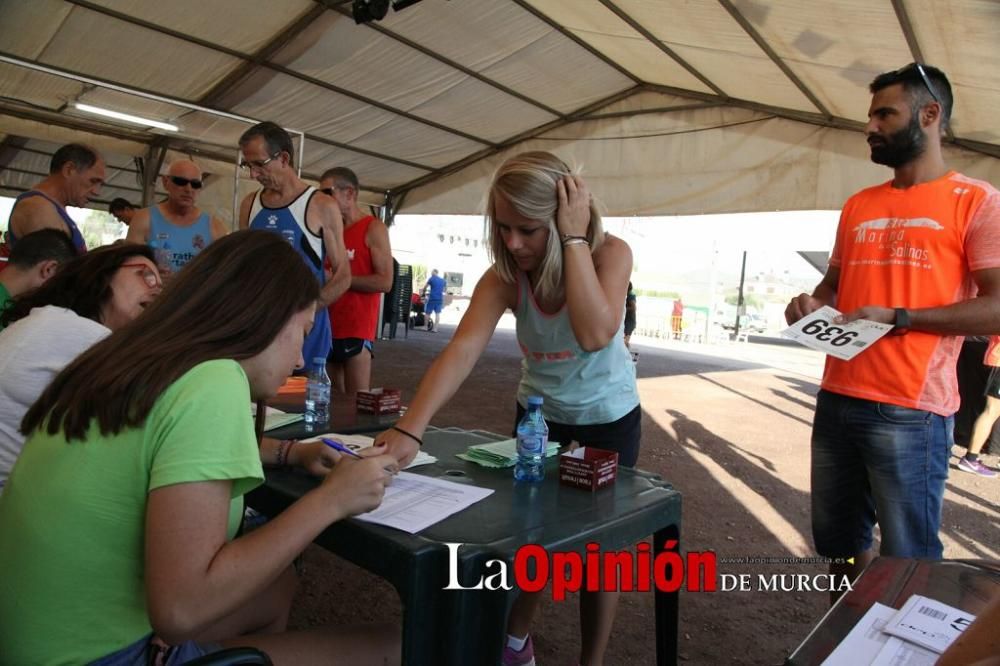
<point x="467" y="627"/>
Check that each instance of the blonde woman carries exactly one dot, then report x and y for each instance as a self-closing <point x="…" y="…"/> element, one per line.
<point x="565" y="279"/>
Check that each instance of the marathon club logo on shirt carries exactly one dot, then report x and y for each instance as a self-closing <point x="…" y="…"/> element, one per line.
<point x="894" y="238"/>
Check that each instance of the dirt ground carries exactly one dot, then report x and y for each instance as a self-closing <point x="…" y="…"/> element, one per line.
<point x="728" y="426"/>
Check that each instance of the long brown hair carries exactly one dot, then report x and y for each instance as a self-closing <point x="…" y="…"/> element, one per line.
<point x="229" y="302"/>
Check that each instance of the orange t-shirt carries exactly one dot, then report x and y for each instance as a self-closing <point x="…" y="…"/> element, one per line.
<point x="912" y="248"/>
<point x="993" y="352"/>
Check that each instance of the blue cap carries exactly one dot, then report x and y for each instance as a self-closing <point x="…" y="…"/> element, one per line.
<point x="535" y="400"/>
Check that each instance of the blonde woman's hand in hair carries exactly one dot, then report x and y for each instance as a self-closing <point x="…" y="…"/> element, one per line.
<point x="356" y="486"/>
<point x="573" y="214"/>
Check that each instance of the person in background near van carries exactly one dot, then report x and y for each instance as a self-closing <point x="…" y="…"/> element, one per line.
<point x="433" y="295"/>
<point x="354" y="316"/>
<point x="677" y="318"/>
<point x="32" y="262"/>
<point x="176" y="230"/>
<point x="984" y="422"/>
<point x="122" y="210"/>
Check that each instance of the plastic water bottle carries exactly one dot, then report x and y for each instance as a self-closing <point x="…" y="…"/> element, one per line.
<point x="318" y="395"/>
<point x="532" y="439"/>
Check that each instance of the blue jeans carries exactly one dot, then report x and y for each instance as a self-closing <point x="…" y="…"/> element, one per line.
<point x="875" y="461"/>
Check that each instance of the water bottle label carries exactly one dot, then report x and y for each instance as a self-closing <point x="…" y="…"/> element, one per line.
<point x="530" y="444"/>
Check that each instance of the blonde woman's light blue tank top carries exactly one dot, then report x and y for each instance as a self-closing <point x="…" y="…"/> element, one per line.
<point x="579" y="387"/>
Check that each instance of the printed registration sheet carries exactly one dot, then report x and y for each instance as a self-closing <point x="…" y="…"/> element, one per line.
<point x="413" y="502"/>
<point x="866" y="639"/>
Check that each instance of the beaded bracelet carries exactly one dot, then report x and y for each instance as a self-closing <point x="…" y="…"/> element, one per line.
<point x="575" y="240"/>
<point x="566" y="237"/>
<point x="281" y="459"/>
<point x="416" y="439"/>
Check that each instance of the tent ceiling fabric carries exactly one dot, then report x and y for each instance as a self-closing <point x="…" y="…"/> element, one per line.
<point x="669" y="106"/>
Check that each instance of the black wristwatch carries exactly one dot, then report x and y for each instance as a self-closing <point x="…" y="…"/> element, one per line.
<point x="901" y="324"/>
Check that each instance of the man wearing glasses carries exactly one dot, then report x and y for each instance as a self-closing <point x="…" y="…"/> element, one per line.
<point x="176" y="230"/>
<point x="306" y="218"/>
<point x="921" y="252"/>
<point x="354" y="316"/>
<point x="76" y="174"/>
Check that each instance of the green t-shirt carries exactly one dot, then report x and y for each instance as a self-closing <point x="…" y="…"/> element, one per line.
<point x="72" y="516"/>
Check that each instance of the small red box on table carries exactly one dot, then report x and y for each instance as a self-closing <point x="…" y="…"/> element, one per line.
<point x="588" y="467"/>
<point x="379" y="401"/>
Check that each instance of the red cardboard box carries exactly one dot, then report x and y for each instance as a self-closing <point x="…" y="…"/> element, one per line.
<point x="379" y="401"/>
<point x="588" y="467"/>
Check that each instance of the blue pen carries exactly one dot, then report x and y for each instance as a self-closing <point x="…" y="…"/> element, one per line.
<point x="337" y="446"/>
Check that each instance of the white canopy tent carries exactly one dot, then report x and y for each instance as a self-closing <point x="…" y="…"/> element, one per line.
<point x="671" y="106"/>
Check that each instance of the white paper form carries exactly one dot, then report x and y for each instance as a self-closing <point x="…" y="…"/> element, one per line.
<point x="413" y="502"/>
<point x="865" y="640"/>
<point x="928" y="623"/>
<point x="898" y="652"/>
<point x="843" y="341"/>
<point x="358" y="442"/>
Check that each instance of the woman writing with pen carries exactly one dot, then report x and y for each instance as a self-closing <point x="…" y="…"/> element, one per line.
<point x="565" y="279"/>
<point x="119" y="517"/>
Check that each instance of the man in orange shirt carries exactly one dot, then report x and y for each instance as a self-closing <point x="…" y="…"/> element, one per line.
<point x="922" y="252"/>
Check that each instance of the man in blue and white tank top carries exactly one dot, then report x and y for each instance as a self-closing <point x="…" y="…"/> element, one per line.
<point x="308" y="219"/>
<point x="76" y="174"/>
<point x="176" y="230"/>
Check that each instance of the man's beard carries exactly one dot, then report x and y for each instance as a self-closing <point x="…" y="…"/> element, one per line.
<point x="901" y="147"/>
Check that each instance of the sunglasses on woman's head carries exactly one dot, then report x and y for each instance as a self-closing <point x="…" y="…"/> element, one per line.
<point x="180" y="181"/>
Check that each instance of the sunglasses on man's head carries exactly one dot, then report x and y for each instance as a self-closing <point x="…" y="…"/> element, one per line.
<point x="923" y="76"/>
<point x="180" y="181"/>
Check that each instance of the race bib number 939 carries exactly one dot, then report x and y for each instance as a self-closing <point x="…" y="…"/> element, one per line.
<point x="844" y="341"/>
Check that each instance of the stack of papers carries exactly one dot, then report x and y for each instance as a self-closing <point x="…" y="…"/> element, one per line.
<point x="279" y="420"/>
<point x="500" y="454"/>
<point x="914" y="635"/>
<point x="275" y="418"/>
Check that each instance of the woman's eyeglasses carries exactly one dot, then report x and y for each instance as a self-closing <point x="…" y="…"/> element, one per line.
<point x="149" y="276"/>
<point x="180" y="181"/>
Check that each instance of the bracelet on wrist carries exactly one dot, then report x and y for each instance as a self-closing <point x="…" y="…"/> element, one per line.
<point x="566" y="237"/>
<point x="281" y="455"/>
<point x="575" y="240"/>
<point x="416" y="439"/>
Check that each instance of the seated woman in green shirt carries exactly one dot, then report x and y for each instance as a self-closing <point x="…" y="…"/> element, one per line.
<point x="119" y="517"/>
